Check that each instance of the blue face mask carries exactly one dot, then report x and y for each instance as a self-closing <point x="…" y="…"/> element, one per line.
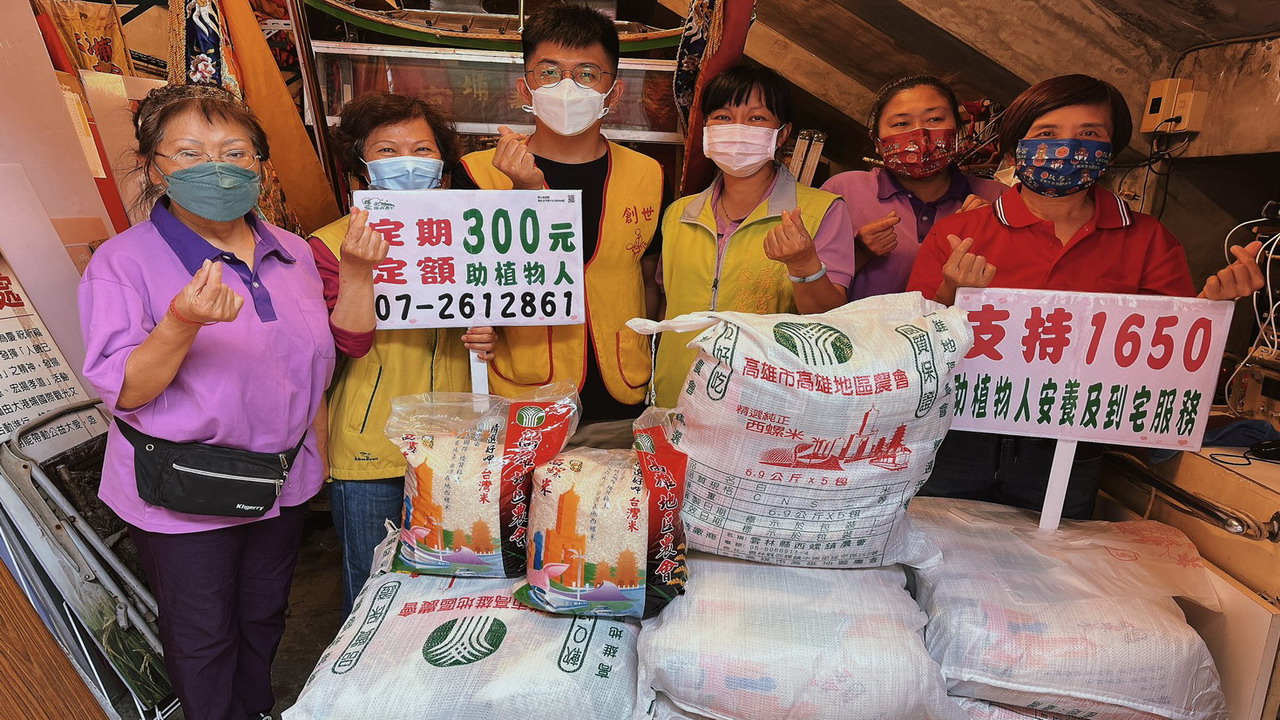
<point x="215" y="190"/>
<point x="406" y="172"/>
<point x="1054" y="167"/>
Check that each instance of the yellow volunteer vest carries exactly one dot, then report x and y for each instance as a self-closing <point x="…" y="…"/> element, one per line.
<point x="746" y="280"/>
<point x="527" y="357"/>
<point x="401" y="362"/>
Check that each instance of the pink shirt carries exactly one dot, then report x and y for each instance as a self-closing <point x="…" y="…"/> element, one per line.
<point x="254" y="383"/>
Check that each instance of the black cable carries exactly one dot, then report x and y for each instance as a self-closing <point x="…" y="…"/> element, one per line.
<point x="1248" y="459"/>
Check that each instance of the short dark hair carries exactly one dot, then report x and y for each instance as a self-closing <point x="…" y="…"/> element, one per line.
<point x="573" y="26"/>
<point x="359" y="118"/>
<point x="735" y="85"/>
<point x="162" y="105"/>
<point x="891" y="89"/>
<point x="1059" y="92"/>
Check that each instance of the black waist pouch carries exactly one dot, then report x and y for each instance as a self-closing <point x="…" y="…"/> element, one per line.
<point x="207" y="479"/>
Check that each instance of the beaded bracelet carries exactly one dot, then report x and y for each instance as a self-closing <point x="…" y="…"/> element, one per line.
<point x="173" y="310"/>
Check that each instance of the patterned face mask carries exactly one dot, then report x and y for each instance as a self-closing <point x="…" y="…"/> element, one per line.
<point x="1056" y="167"/>
<point x="920" y="153"/>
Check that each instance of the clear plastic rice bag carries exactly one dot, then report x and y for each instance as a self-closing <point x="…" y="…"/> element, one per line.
<point x="466" y="494"/>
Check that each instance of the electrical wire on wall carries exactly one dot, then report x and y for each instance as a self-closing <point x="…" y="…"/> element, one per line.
<point x="1158" y="162"/>
<point x="1265" y="343"/>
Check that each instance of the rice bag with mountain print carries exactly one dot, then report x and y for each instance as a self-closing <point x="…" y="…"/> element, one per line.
<point x="605" y="526"/>
<point x="466" y="495"/>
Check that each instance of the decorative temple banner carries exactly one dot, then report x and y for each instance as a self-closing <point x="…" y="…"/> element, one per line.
<point x="465" y="258"/>
<point x="1135" y="370"/>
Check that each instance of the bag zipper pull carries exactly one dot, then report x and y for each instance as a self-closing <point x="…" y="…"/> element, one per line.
<point x="284" y="462"/>
<point x="280" y="485"/>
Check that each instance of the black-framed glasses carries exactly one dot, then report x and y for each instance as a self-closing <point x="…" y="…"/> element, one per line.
<point x="586" y="75"/>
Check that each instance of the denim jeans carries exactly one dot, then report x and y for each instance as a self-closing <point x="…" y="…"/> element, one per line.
<point x="360" y="507"/>
<point x="1012" y="471"/>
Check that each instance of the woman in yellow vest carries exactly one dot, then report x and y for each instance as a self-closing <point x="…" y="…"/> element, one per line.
<point x="398" y="142"/>
<point x="756" y="241"/>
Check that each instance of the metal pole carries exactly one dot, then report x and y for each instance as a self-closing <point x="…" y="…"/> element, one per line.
<point x="311" y="86"/>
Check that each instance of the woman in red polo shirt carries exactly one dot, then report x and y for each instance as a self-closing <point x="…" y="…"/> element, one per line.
<point x="1055" y="230"/>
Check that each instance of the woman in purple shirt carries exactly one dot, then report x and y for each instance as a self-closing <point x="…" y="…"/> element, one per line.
<point x="207" y="325"/>
<point x="914" y="123"/>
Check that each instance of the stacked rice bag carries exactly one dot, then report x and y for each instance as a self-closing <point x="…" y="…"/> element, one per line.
<point x="1011" y="620"/>
<point x="468" y="483"/>
<point x="983" y="710"/>
<point x="605" y="527"/>
<point x="762" y="642"/>
<point x="438" y="648"/>
<point x="808" y="434"/>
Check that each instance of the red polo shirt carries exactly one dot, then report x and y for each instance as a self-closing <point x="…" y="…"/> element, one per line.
<point x="1118" y="251"/>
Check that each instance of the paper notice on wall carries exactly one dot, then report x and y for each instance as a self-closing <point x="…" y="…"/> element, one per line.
<point x="35" y="378"/>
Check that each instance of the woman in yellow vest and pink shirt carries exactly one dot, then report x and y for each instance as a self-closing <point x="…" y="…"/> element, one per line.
<point x="397" y="142"/>
<point x="757" y="240"/>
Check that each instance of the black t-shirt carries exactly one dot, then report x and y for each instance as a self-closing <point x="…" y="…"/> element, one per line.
<point x="589" y="177"/>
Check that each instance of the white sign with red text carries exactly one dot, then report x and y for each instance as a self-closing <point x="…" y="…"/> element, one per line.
<point x="1134" y="370"/>
<point x="36" y="379"/>
<point x="467" y="258"/>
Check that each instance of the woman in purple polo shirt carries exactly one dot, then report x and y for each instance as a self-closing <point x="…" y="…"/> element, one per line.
<point x="207" y="325"/>
<point x="914" y="123"/>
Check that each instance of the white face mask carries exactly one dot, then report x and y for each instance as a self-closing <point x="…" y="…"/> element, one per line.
<point x="739" y="150"/>
<point x="567" y="108"/>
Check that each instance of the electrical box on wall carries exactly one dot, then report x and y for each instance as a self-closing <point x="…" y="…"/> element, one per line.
<point x="1161" y="102"/>
<point x="1190" y="108"/>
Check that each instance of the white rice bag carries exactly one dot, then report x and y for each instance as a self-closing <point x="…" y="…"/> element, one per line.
<point x="1097" y="656"/>
<point x="808" y="434"/>
<point x="983" y="710"/>
<point x="761" y="642"/>
<point x="438" y="648"/>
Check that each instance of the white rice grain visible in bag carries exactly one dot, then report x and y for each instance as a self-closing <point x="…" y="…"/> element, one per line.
<point x="467" y="485"/>
<point x="808" y="434"/>
<point x="1098" y="656"/>
<point x="437" y="648"/>
<point x="761" y="642"/>
<point x="606" y="536"/>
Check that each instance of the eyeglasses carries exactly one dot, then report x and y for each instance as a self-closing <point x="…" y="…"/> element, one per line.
<point x="191" y="158"/>
<point x="587" y="76"/>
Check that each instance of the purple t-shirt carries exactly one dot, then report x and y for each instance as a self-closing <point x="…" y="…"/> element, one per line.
<point x="870" y="195"/>
<point x="254" y="383"/>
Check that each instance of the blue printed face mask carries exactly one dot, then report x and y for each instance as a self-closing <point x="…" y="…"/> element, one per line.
<point x="216" y="191"/>
<point x="405" y="172"/>
<point x="1055" y="167"/>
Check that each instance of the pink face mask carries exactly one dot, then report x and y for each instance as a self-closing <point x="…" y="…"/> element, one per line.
<point x="918" y="154"/>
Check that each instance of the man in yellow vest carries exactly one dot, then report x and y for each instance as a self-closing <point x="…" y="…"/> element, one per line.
<point x="570" y="84"/>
